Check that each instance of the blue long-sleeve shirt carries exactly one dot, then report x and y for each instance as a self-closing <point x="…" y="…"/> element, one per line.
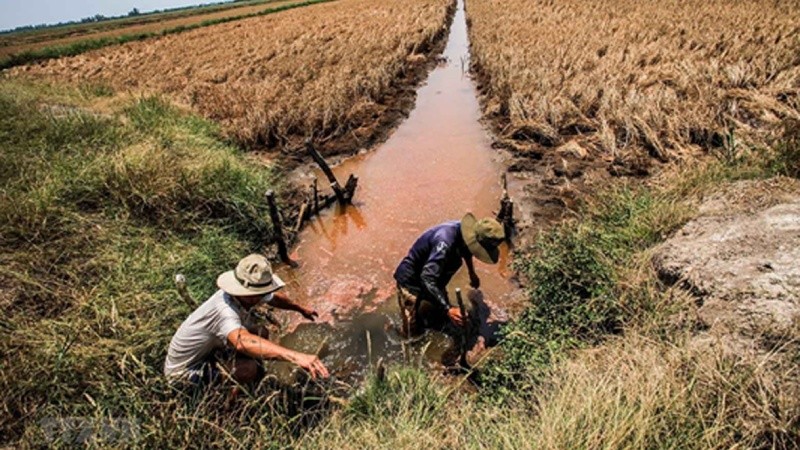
<point x="433" y="260"/>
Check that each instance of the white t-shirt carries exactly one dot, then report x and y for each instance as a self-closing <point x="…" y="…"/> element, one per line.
<point x="206" y="330"/>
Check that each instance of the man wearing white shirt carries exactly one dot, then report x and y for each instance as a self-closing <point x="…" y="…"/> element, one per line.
<point x="221" y="332"/>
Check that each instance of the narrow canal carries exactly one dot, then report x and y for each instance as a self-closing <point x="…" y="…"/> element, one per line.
<point x="436" y="166"/>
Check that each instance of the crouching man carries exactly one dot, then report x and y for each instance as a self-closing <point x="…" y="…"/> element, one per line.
<point x="222" y="333"/>
<point x="422" y="276"/>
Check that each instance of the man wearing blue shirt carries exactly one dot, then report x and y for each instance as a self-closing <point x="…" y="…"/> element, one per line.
<point x="436" y="256"/>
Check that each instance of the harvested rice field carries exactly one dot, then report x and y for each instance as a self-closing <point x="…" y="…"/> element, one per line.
<point x="23" y="41"/>
<point x="633" y="77"/>
<point x="329" y="69"/>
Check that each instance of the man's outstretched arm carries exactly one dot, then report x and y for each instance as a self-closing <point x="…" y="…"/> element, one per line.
<point x="257" y="347"/>
<point x="280" y="300"/>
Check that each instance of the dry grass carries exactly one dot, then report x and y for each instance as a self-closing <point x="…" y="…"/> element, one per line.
<point x="328" y="69"/>
<point x="149" y="23"/>
<point x="666" y="77"/>
<point x="631" y="393"/>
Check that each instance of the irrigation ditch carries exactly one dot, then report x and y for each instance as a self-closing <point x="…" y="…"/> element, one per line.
<point x="339" y="241"/>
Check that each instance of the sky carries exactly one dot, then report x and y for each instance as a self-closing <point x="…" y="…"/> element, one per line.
<point x="15" y="13"/>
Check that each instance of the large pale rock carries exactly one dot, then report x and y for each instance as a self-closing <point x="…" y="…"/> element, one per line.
<point x="741" y="259"/>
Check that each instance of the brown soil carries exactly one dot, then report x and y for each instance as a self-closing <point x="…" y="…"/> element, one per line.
<point x="552" y="178"/>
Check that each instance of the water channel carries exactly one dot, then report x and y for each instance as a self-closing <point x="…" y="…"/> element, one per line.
<point x="436" y="166"/>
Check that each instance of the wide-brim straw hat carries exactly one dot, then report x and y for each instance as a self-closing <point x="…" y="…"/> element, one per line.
<point x="483" y="237"/>
<point x="252" y="276"/>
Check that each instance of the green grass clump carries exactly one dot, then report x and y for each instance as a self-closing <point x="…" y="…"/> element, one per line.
<point x="97" y="214"/>
<point x="403" y="410"/>
<point x="785" y="160"/>
<point x="574" y="273"/>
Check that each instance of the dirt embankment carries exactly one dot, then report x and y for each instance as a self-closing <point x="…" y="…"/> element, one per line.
<point x="370" y="126"/>
<point x="739" y="259"/>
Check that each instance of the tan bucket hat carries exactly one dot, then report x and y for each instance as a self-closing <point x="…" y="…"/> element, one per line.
<point x="483" y="237"/>
<point x="252" y="276"/>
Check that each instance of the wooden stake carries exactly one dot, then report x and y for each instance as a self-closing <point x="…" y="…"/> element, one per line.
<point x="337" y="189"/>
<point x="464" y="329"/>
<point x="350" y="187"/>
<point x="403" y="315"/>
<point x="316" y="198"/>
<point x="369" y="348"/>
<point x="277" y="228"/>
<point x="506" y="214"/>
<point x="380" y="371"/>
<point x="301" y="217"/>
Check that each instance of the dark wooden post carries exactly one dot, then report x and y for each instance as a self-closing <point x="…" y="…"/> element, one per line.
<point x="283" y="251"/>
<point x="337" y="188"/>
<point x="316" y="198"/>
<point x="403" y="316"/>
<point x="506" y="214"/>
<point x="464" y="328"/>
<point x="380" y="371"/>
<point x="350" y="187"/>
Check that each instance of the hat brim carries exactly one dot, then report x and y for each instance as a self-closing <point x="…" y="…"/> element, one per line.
<point x="485" y="255"/>
<point x="228" y="283"/>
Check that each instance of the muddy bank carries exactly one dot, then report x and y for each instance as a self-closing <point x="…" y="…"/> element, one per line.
<point x="371" y="125"/>
<point x="550" y="179"/>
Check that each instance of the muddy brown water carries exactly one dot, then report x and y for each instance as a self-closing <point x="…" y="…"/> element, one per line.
<point x="437" y="165"/>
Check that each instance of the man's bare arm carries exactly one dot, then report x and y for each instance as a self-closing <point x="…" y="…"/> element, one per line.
<point x="257" y="347"/>
<point x="280" y="300"/>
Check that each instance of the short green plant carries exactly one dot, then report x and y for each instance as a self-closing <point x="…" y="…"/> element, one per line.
<point x="572" y="272"/>
<point x="785" y="160"/>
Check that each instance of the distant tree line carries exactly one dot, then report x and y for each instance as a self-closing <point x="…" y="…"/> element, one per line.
<point x="100" y="18"/>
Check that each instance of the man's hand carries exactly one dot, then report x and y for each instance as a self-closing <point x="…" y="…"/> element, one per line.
<point x="312" y="364"/>
<point x="474" y="281"/>
<point x="455" y="315"/>
<point x="310" y="314"/>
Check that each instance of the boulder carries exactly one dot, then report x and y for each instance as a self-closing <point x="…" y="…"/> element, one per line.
<point x="741" y="259"/>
